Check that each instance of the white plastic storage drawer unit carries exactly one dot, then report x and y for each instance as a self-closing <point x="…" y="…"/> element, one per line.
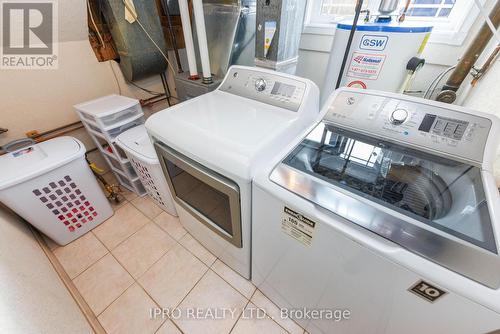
<point x="105" y="118"/>
<point x="51" y="186"/>
<point x="141" y="153"/>
<point x="110" y="110"/>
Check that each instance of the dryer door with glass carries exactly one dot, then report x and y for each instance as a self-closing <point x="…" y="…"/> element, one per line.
<point x="210" y="197"/>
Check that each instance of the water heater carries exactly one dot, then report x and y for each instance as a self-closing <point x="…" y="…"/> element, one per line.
<point x="378" y="55"/>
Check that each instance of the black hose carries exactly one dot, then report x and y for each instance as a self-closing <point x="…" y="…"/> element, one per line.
<point x="359" y="4"/>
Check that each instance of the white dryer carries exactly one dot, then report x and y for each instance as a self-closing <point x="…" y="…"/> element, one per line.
<point x="385" y="212"/>
<point x="211" y="146"/>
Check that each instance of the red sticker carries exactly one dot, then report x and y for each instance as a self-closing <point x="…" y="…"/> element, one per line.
<point x="357" y="84"/>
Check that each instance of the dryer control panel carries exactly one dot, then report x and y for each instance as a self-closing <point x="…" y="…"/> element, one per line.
<point x="271" y="88"/>
<point x="420" y="124"/>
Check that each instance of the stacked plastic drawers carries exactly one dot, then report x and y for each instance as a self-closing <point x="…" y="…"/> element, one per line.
<point x="105" y="118"/>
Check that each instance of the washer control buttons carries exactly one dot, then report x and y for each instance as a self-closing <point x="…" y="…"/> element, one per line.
<point x="399" y="116"/>
<point x="260" y="84"/>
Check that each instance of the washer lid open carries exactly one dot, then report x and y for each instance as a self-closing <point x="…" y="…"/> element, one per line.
<point x="432" y="206"/>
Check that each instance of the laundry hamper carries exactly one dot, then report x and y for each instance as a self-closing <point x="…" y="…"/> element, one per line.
<point x="51" y="186"/>
<point x="141" y="153"/>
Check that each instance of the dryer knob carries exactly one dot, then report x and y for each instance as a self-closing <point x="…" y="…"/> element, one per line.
<point x="260" y="85"/>
<point x="398" y="116"/>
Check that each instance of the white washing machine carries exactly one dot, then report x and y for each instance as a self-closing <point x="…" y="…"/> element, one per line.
<point x="385" y="216"/>
<point x="211" y="146"/>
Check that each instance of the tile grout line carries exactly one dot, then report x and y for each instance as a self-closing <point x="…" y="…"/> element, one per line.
<point x="209" y="269"/>
<point x="187" y="294"/>
<point x="195" y="284"/>
<point x="167" y="231"/>
<point x="136" y="280"/>
<point x="131" y="202"/>
<point x="125" y="269"/>
<point x="99" y="259"/>
<point x="97" y="315"/>
<point x="216" y="273"/>
<point x="81" y="303"/>
<point x="192" y="253"/>
<point x="173" y="323"/>
<point x="129" y="235"/>
<point x="204" y="274"/>
<point x="161" y="257"/>
<point x="267" y="315"/>
<point x="239" y="317"/>
<point x="272" y="318"/>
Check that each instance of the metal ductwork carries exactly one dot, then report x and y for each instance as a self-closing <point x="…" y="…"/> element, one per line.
<point x="388" y="6"/>
<point x="230" y="29"/>
<point x="279" y="28"/>
<point x="139" y="58"/>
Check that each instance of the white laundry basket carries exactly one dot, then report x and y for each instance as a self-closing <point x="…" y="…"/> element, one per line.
<point x="141" y="153"/>
<point x="51" y="186"/>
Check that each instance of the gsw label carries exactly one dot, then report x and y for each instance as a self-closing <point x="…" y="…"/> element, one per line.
<point x="373" y="42"/>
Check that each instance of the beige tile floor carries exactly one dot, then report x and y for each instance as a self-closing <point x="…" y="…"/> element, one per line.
<point x="142" y="258"/>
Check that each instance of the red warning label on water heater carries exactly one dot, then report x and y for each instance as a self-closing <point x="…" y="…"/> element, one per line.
<point x="365" y="65"/>
<point x="357" y="84"/>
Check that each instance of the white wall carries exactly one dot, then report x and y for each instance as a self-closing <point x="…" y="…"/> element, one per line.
<point x="32" y="297"/>
<point x="43" y="99"/>
<point x="315" y="48"/>
<point x="485" y="96"/>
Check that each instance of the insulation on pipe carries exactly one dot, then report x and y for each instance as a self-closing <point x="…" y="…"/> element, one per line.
<point x="199" y="17"/>
<point x="188" y="39"/>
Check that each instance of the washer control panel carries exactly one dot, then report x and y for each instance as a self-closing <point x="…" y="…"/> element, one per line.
<point x="270" y="88"/>
<point x="260" y="84"/>
<point x="399" y="116"/>
<point x="422" y="125"/>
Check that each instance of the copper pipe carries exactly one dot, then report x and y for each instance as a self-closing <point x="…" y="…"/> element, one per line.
<point x="56" y="132"/>
<point x="72" y="126"/>
<point x="43" y="138"/>
<point x="472" y="53"/>
<point x="485" y="66"/>
<point x="405" y="9"/>
<point x="53" y="133"/>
